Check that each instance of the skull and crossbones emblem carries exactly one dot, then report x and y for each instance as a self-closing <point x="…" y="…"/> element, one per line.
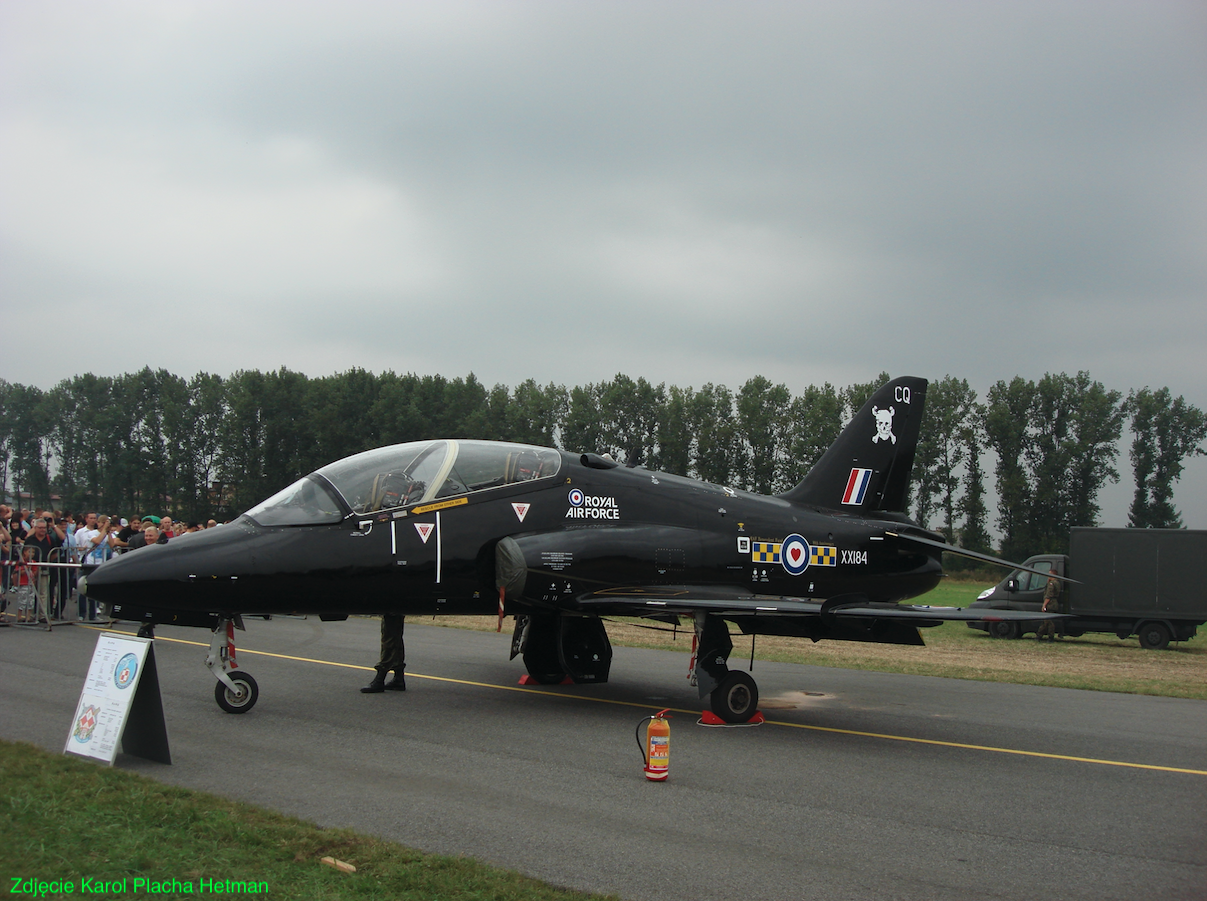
<point x="884" y="425"/>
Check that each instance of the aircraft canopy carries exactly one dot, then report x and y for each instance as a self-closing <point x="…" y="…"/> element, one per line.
<point x="402" y="475"/>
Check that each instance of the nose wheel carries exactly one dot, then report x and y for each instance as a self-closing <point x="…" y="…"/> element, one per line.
<point x="240" y="699"/>
<point x="236" y="691"/>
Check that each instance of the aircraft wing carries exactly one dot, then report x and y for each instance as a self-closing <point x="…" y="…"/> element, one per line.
<point x="686" y="600"/>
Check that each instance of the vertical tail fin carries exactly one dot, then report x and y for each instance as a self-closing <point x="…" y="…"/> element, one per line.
<point x="868" y="467"/>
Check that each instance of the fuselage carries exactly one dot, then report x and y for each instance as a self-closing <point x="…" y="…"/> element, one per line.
<point x="581" y="525"/>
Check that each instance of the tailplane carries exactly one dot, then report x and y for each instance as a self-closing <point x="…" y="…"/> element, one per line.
<point x="868" y="467"/>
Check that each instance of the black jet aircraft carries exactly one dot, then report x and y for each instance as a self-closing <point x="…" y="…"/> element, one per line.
<point x="560" y="540"/>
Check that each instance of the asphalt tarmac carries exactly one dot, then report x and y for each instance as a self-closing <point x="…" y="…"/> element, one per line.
<point x="859" y="786"/>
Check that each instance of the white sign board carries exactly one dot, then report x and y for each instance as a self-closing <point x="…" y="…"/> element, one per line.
<point x="121" y="681"/>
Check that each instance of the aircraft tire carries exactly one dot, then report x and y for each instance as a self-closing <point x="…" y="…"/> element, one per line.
<point x="540" y="651"/>
<point x="238" y="703"/>
<point x="543" y="666"/>
<point x="544" y="675"/>
<point x="736" y="699"/>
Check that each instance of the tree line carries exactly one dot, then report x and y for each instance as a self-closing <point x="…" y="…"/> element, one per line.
<point x="210" y="447"/>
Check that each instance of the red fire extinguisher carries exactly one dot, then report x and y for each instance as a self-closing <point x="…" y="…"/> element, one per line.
<point x="656" y="751"/>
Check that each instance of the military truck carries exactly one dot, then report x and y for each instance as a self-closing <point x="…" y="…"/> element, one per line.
<point x="1143" y="582"/>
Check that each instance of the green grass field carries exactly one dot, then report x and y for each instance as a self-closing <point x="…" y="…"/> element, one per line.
<point x="68" y="820"/>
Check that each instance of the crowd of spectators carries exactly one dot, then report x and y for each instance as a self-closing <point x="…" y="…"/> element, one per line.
<point x="30" y="539"/>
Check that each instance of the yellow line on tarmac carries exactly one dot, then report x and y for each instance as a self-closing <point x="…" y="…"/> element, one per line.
<point x="966" y="747"/>
<point x="549" y="694"/>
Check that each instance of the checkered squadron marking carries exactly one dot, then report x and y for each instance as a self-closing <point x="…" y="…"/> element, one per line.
<point x="826" y="555"/>
<point x="765" y="552"/>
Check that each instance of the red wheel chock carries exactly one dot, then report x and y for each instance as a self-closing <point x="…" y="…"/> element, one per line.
<point x="528" y="680"/>
<point x="708" y="718"/>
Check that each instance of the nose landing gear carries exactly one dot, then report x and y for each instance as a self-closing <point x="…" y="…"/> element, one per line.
<point x="236" y="691"/>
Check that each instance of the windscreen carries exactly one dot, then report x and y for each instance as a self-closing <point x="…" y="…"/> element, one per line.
<point x="307" y="502"/>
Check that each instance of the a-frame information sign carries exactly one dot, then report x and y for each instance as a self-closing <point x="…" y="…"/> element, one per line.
<point x="120" y="704"/>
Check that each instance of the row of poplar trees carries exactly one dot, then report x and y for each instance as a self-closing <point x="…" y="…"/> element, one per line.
<point x="210" y="447"/>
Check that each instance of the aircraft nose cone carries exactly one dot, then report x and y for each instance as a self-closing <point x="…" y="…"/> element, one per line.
<point x="172" y="573"/>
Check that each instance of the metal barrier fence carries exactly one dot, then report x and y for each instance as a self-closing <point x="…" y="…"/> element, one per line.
<point x="39" y="592"/>
<point x="36" y="592"/>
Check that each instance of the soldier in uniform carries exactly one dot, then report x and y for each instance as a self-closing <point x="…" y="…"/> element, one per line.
<point x="393" y="656"/>
<point x="1051" y="605"/>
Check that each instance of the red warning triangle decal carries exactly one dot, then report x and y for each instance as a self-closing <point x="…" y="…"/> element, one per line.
<point x="424" y="529"/>
<point x="521" y="510"/>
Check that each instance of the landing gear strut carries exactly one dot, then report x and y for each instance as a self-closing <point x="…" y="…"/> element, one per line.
<point x="236" y="691"/>
<point x="556" y="646"/>
<point x="732" y="695"/>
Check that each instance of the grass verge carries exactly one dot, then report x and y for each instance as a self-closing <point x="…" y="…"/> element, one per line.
<point x="1096" y="662"/>
<point x="75" y="822"/>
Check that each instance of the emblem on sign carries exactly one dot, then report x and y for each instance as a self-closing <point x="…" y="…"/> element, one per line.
<point x="85" y="725"/>
<point x="123" y="676"/>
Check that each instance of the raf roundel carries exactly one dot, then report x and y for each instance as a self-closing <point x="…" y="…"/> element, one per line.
<point x="794" y="555"/>
<point x="576" y="497"/>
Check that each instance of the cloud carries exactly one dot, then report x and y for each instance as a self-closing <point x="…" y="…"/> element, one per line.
<point x="689" y="192"/>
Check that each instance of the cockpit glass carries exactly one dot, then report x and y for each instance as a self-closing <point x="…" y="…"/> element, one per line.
<point x="481" y="464"/>
<point x="387" y="477"/>
<point x="307" y="502"/>
<point x="406" y="474"/>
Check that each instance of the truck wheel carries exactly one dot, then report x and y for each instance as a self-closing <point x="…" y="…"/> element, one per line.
<point x="1154" y="636"/>
<point x="1003" y="630"/>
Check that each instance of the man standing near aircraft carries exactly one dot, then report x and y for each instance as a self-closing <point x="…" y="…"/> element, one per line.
<point x="1051" y="605"/>
<point x="393" y="656"/>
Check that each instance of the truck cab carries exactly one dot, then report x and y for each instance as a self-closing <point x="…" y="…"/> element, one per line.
<point x="1020" y="590"/>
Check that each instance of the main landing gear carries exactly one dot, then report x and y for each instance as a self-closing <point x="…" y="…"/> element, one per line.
<point x="732" y="695"/>
<point x="236" y="691"/>
<point x="556" y="646"/>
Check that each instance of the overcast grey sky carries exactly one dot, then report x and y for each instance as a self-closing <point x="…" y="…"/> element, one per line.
<point x="690" y="192"/>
